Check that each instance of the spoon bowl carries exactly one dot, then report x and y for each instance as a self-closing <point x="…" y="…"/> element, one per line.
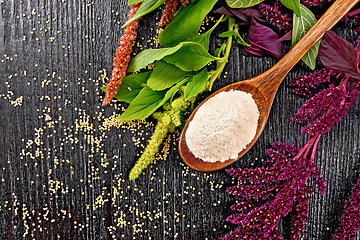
<point x="263" y="87"/>
<point x="198" y="164"/>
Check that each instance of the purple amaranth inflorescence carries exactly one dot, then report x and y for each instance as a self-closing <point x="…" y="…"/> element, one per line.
<point x="122" y="56"/>
<point x="350" y="220"/>
<point x="327" y="107"/>
<point x="309" y="85"/>
<point x="315" y="3"/>
<point x="276" y="16"/>
<point x="266" y="194"/>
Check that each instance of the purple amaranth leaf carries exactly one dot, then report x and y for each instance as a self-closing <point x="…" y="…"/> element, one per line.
<point x="253" y="50"/>
<point x="223" y="10"/>
<point x="263" y="39"/>
<point x="357" y="49"/>
<point x="286" y="37"/>
<point x="243" y="14"/>
<point x="338" y="54"/>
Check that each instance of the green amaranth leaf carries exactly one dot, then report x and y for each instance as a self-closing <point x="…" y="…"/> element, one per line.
<point x="190" y="57"/>
<point x="165" y="75"/>
<point x="241" y="41"/>
<point x="204" y="38"/>
<point x="236" y="35"/>
<point x="242" y="3"/>
<point x="130" y="86"/>
<point x="144" y="104"/>
<point x="300" y="27"/>
<point x="293" y="5"/>
<point x="197" y="84"/>
<point x="146" y="7"/>
<point x="171" y="93"/>
<point x="148" y="56"/>
<point x="186" y="23"/>
<point x="131" y="2"/>
<point x="148" y="101"/>
<point x="227" y="34"/>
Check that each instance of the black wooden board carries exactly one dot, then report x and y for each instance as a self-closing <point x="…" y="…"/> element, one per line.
<point x="65" y="161"/>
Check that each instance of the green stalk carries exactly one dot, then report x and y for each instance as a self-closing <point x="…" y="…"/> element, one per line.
<point x="224" y="60"/>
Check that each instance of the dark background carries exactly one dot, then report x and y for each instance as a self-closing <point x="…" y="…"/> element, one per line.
<point x="65" y="164"/>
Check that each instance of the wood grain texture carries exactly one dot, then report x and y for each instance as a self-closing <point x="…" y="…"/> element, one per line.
<point x="64" y="168"/>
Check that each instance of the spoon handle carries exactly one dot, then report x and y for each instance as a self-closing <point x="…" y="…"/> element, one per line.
<point x="335" y="12"/>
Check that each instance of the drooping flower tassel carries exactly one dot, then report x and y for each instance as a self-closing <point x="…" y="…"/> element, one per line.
<point x="275" y="16"/>
<point x="171" y="6"/>
<point x="184" y="3"/>
<point x="350" y="220"/>
<point x="122" y="56"/>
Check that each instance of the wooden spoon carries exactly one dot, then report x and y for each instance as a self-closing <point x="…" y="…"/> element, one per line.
<point x="264" y="86"/>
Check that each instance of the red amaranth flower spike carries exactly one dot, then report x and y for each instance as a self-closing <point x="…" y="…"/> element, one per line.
<point x="276" y="16"/>
<point x="185" y="3"/>
<point x="299" y="212"/>
<point x="328" y="107"/>
<point x="122" y="57"/>
<point x="309" y="85"/>
<point x="315" y="3"/>
<point x="171" y="6"/>
<point x="266" y="194"/>
<point x="350" y="220"/>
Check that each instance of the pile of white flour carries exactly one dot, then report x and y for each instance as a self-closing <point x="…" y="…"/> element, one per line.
<point x="223" y="126"/>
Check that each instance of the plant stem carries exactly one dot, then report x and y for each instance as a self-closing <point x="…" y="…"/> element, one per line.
<point x="216" y="73"/>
